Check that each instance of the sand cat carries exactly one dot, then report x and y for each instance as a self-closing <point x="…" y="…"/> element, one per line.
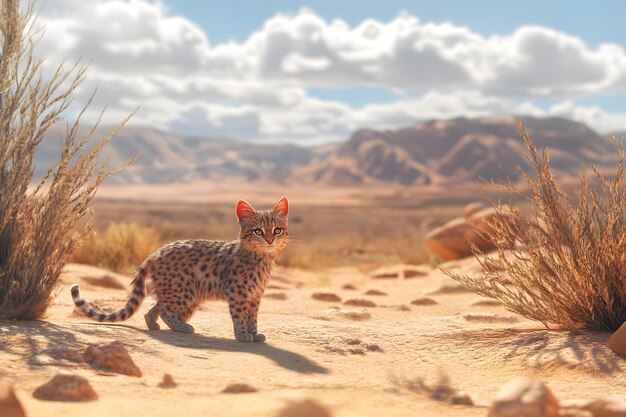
<point x="186" y="273"/>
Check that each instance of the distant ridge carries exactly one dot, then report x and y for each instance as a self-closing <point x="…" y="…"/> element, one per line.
<point x="434" y="152"/>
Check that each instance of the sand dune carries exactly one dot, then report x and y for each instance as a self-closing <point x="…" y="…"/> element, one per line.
<point x="393" y="360"/>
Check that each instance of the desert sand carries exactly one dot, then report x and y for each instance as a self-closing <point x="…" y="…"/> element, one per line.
<point x="394" y="359"/>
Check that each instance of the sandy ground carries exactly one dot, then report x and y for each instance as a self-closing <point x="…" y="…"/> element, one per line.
<point x="312" y="350"/>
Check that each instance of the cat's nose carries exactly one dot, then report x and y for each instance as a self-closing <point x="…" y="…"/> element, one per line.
<point x="269" y="241"/>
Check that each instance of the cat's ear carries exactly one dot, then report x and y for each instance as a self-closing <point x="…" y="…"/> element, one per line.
<point x="244" y="211"/>
<point x="282" y="207"/>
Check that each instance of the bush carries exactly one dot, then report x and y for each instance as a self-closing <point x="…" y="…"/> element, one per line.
<point x="569" y="265"/>
<point x="121" y="247"/>
<point x="37" y="221"/>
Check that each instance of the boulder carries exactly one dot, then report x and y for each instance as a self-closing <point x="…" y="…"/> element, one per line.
<point x="617" y="342"/>
<point x="454" y="239"/>
<point x="10" y="406"/>
<point x="326" y="296"/>
<point x="168" y="382"/>
<point x="524" y="397"/>
<point x="66" y="387"/>
<point x="240" y="388"/>
<point x="305" y="408"/>
<point x="111" y="356"/>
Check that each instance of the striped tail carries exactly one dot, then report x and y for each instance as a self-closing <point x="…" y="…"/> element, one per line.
<point x="138" y="284"/>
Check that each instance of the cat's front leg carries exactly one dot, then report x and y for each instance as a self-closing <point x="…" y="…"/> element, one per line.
<point x="239" y="314"/>
<point x="253" y="311"/>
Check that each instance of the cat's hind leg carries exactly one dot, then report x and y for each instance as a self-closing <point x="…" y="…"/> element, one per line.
<point x="152" y="316"/>
<point x="176" y="318"/>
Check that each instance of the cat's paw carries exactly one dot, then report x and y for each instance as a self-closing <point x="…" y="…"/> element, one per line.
<point x="244" y="337"/>
<point x="260" y="337"/>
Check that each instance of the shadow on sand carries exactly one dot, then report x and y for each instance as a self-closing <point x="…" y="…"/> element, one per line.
<point x="282" y="357"/>
<point x="32" y="338"/>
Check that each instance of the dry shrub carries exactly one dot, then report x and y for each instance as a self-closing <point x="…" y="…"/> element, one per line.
<point x="569" y="266"/>
<point x="121" y="247"/>
<point x="36" y="223"/>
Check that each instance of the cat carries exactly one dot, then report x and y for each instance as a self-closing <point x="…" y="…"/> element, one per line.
<point x="186" y="273"/>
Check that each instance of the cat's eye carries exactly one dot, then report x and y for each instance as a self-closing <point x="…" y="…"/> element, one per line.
<point x="278" y="230"/>
<point x="258" y="232"/>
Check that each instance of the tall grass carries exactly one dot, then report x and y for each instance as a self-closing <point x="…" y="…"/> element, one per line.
<point x="37" y="220"/>
<point x="120" y="247"/>
<point x="569" y="266"/>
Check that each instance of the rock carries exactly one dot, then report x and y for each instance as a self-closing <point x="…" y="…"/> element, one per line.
<point x="326" y="296"/>
<point x="10" y="406"/>
<point x="372" y="347"/>
<point x="424" y="302"/>
<point x="66" y="387"/>
<point x="461" y="399"/>
<point x="452" y="288"/>
<point x="240" y="388"/>
<point x="276" y="295"/>
<point x="524" y="397"/>
<point x="485" y="302"/>
<point x="348" y="287"/>
<point x="453" y="240"/>
<point x="112" y="356"/>
<point x="617" y="342"/>
<point x="353" y="342"/>
<point x="472" y="208"/>
<point x="305" y="408"/>
<point x="488" y="318"/>
<point x="361" y="302"/>
<point x="611" y="406"/>
<point x="385" y="274"/>
<point x="348" y="314"/>
<point x="168" y="382"/>
<point x="413" y="273"/>
<point x="375" y="292"/>
<point x="356" y="351"/>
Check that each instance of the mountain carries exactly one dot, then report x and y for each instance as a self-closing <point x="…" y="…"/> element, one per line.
<point x="165" y="157"/>
<point x="437" y="152"/>
<point x="457" y="151"/>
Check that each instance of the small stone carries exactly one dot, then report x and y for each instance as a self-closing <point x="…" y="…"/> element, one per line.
<point x="168" y="382"/>
<point x="485" y="302"/>
<point x="413" y="273"/>
<point x="461" y="399"/>
<point x="375" y="292"/>
<point x="424" y="302"/>
<point x="326" y="296"/>
<point x="524" y="397"/>
<point x="305" y="408"/>
<point x="113" y="357"/>
<point x="348" y="287"/>
<point x="356" y="351"/>
<point x="611" y="406"/>
<point x="276" y="295"/>
<point x="66" y="387"/>
<point x="617" y="342"/>
<point x="10" y="406"/>
<point x="488" y="318"/>
<point x="353" y="342"/>
<point x="385" y="275"/>
<point x="239" y="388"/>
<point x="373" y="348"/>
<point x="403" y="307"/>
<point x="361" y="302"/>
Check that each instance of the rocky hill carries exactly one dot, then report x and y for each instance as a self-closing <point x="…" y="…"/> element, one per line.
<point x="433" y="152"/>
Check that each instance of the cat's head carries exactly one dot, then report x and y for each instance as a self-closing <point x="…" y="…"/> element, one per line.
<point x="264" y="232"/>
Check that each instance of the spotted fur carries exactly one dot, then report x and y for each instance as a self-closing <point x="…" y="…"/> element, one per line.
<point x="186" y="273"/>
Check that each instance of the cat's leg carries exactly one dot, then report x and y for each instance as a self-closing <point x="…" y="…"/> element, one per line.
<point x="176" y="316"/>
<point x="239" y="314"/>
<point x="253" y="311"/>
<point x="152" y="316"/>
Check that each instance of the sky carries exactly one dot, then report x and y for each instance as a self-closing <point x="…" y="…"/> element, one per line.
<point x="314" y="72"/>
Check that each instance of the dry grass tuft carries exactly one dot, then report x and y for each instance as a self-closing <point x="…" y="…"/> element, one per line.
<point x="37" y="223"/>
<point x="121" y="247"/>
<point x="569" y="265"/>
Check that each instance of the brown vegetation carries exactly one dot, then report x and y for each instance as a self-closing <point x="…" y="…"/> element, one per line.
<point x="569" y="265"/>
<point x="36" y="224"/>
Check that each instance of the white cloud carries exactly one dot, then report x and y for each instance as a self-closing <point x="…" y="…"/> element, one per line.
<point x="141" y="55"/>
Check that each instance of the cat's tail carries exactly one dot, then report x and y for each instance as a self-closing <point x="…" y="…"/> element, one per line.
<point x="139" y="292"/>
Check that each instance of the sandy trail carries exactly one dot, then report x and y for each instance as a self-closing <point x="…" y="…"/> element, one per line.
<point x="399" y="361"/>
